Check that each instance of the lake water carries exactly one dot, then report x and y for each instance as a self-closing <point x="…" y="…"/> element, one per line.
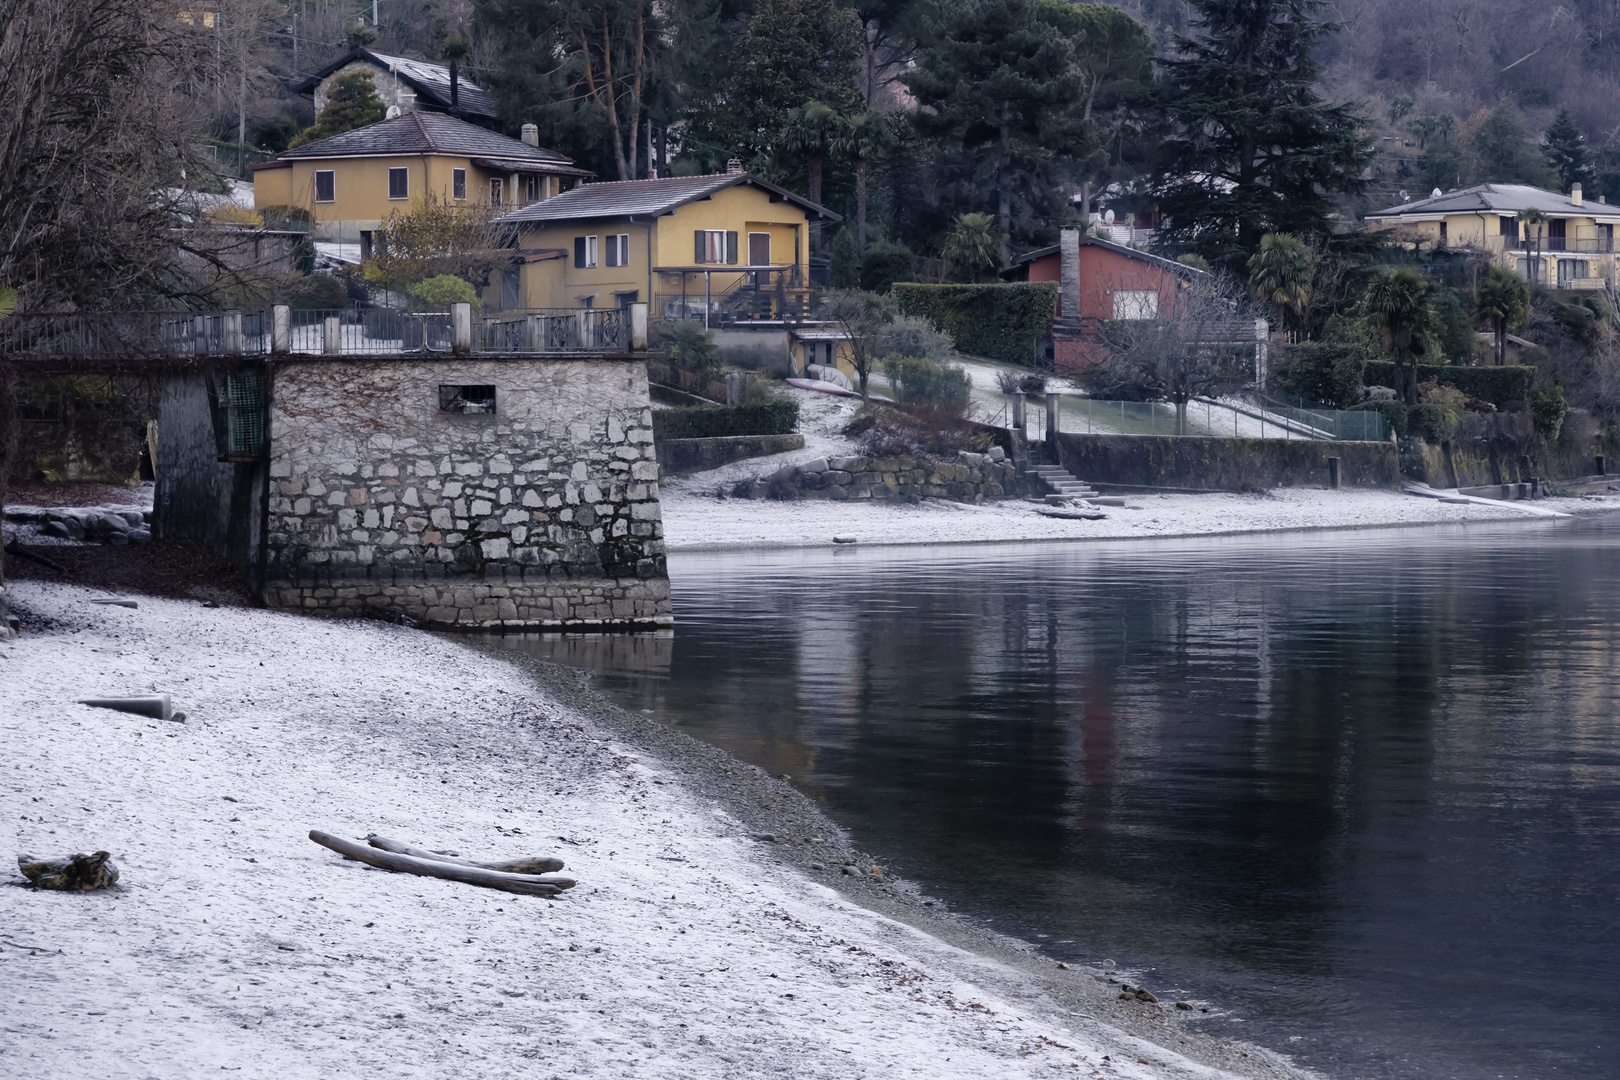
<point x="1359" y="790"/>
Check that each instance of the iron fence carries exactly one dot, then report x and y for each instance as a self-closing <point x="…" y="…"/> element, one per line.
<point x="1208" y="418"/>
<point x="553" y="330"/>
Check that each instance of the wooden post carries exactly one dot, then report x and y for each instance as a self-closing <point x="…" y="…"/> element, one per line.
<point x="1333" y="473"/>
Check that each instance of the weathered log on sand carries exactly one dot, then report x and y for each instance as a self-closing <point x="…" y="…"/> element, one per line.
<point x="527" y="884"/>
<point x="534" y="864"/>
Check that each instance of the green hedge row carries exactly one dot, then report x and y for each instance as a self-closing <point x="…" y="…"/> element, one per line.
<point x="776" y="416"/>
<point x="1497" y="385"/>
<point x="1002" y="322"/>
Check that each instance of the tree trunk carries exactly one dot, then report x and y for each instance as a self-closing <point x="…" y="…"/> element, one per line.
<point x="1003" y="196"/>
<point x="529" y="884"/>
<point x="860" y="219"/>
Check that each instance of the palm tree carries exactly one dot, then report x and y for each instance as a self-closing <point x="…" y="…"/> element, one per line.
<point x="973" y="245"/>
<point x="1397" y="306"/>
<point x="1280" y="274"/>
<point x="455" y="51"/>
<point x="812" y="131"/>
<point x="1539" y="220"/>
<point x="864" y="136"/>
<point x="1503" y="300"/>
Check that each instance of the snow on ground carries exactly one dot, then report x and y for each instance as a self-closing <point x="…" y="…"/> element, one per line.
<point x="234" y="944"/>
<point x="822" y="419"/>
<point x="694" y="522"/>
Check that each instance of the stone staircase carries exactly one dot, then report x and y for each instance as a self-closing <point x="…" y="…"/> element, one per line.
<point x="1062" y="482"/>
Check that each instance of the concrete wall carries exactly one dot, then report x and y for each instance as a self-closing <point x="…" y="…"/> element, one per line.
<point x="676" y="456"/>
<point x="1203" y="464"/>
<point x="970" y="478"/>
<point x="544" y="514"/>
<point x="197" y="497"/>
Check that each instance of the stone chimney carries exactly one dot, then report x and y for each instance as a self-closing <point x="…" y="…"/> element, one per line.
<point x="531" y="134"/>
<point x="1069" y="289"/>
<point x="734" y="167"/>
<point x="407" y="101"/>
<point x="1575" y="194"/>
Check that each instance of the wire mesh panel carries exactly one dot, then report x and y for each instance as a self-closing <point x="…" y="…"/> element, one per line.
<point x="245" y="407"/>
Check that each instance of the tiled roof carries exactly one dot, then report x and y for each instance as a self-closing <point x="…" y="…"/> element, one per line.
<point x="430" y="81"/>
<point x="650" y="198"/>
<point x="1498" y="199"/>
<point x="1107" y="245"/>
<point x="425" y="133"/>
<point x="529" y="165"/>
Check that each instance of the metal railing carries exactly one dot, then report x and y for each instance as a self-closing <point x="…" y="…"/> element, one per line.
<point x="151" y="335"/>
<point x="1259" y="418"/>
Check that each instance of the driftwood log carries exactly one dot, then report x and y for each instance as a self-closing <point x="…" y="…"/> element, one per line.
<point x="77" y="873"/>
<point x="534" y="864"/>
<point x="528" y="884"/>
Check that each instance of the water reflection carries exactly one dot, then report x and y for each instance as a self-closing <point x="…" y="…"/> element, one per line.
<point x="1362" y="785"/>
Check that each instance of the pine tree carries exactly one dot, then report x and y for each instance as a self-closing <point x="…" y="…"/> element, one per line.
<point x="996" y="87"/>
<point x="1255" y="150"/>
<point x="1565" y="151"/>
<point x="353" y="102"/>
<point x="1504" y="151"/>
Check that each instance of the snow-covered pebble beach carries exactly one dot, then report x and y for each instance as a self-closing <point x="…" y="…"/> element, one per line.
<point x="696" y="520"/>
<point x="233" y="944"/>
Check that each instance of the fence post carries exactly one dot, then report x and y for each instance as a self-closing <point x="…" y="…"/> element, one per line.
<point x="332" y="335"/>
<point x="461" y="328"/>
<point x="583" y="331"/>
<point x="281" y="329"/>
<point x="533" y="336"/>
<point x="231" y="332"/>
<point x="638" y="327"/>
<point x="1333" y="473"/>
<point x="1053" y="401"/>
<point x="1018" y="411"/>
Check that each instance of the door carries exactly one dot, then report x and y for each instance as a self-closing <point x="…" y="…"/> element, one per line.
<point x="1556" y="233"/>
<point x="759" y="254"/>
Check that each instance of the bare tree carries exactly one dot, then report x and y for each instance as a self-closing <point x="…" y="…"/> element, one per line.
<point x="1204" y="345"/>
<point x="864" y="317"/>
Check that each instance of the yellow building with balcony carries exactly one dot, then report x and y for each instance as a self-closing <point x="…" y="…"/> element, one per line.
<point x="351" y="183"/>
<point x="1570" y="247"/>
<point x="728" y="247"/>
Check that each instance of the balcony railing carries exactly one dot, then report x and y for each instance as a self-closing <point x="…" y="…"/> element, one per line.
<point x="152" y="335"/>
<point x="1595" y="246"/>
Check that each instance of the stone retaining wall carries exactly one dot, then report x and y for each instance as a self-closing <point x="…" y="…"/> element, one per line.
<point x="970" y="478"/>
<point x="1198" y="463"/>
<point x="676" y="456"/>
<point x="541" y="514"/>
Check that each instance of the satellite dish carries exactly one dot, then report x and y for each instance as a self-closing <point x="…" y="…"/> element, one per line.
<point x="393" y="111"/>
<point x="1435" y="194"/>
<point x="1404" y="196"/>
<point x="1108" y="217"/>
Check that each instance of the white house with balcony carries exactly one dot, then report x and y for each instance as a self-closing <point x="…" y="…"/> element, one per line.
<point x="1566" y="243"/>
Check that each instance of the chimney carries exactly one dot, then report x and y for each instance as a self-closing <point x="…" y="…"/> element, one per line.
<point x="531" y="134"/>
<point x="1575" y="194"/>
<point x="407" y="101"/>
<point x="1069" y="259"/>
<point x="734" y="167"/>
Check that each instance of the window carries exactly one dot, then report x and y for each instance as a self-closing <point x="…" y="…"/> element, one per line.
<point x="1508" y="227"/>
<point x="584" y="252"/>
<point x="531" y="189"/>
<point x="715" y="247"/>
<point x="467" y="399"/>
<point x="1605" y="237"/>
<point x="1557" y="232"/>
<point x="458" y="183"/>
<point x="1572" y="269"/>
<point x="325" y="185"/>
<point x="497" y="188"/>
<point x="1136" y="304"/>
<point x="399" y="183"/>
<point x="618" y="250"/>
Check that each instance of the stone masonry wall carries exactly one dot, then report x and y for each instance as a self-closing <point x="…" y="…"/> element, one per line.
<point x="970" y="478"/>
<point x="543" y="514"/>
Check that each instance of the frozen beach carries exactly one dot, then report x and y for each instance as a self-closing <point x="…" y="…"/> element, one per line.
<point x="690" y="947"/>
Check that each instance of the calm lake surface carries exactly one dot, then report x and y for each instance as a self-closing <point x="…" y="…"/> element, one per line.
<point x="1359" y="790"/>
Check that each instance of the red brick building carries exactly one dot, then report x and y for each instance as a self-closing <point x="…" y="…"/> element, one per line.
<point x="1107" y="282"/>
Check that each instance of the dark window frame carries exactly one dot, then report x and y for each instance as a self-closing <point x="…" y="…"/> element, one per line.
<point x="458" y="183"/>
<point x="467" y="399"/>
<point x="402" y="173"/>
<point x="330" y="176"/>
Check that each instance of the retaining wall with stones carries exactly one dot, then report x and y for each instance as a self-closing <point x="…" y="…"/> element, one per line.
<point x="541" y="514"/>
<point x="969" y="478"/>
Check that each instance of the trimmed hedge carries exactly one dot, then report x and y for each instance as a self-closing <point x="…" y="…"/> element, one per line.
<point x="1497" y="385"/>
<point x="1002" y="322"/>
<point x="776" y="416"/>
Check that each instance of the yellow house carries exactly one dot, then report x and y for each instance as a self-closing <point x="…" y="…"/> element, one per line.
<point x="1572" y="249"/>
<point x="725" y="247"/>
<point x="351" y="183"/>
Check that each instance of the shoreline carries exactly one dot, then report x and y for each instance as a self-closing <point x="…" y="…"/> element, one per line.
<point x="690" y="948"/>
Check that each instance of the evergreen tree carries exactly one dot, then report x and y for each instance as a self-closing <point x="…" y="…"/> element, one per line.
<point x="1255" y="150"/>
<point x="1565" y="151"/>
<point x="996" y="89"/>
<point x="1504" y="152"/>
<point x="352" y="103"/>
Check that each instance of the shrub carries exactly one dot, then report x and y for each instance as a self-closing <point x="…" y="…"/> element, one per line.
<point x="918" y="381"/>
<point x="774" y="416"/>
<point x="922" y="431"/>
<point x="1003" y="322"/>
<point x="690" y="346"/>
<point x="439" y="292"/>
<point x="1331" y="374"/>
<point x="1436" y="423"/>
<point x="886" y="264"/>
<point x="1547" y="409"/>
<point x="318" y="292"/>
<point x="908" y="335"/>
<point x="1497" y="385"/>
